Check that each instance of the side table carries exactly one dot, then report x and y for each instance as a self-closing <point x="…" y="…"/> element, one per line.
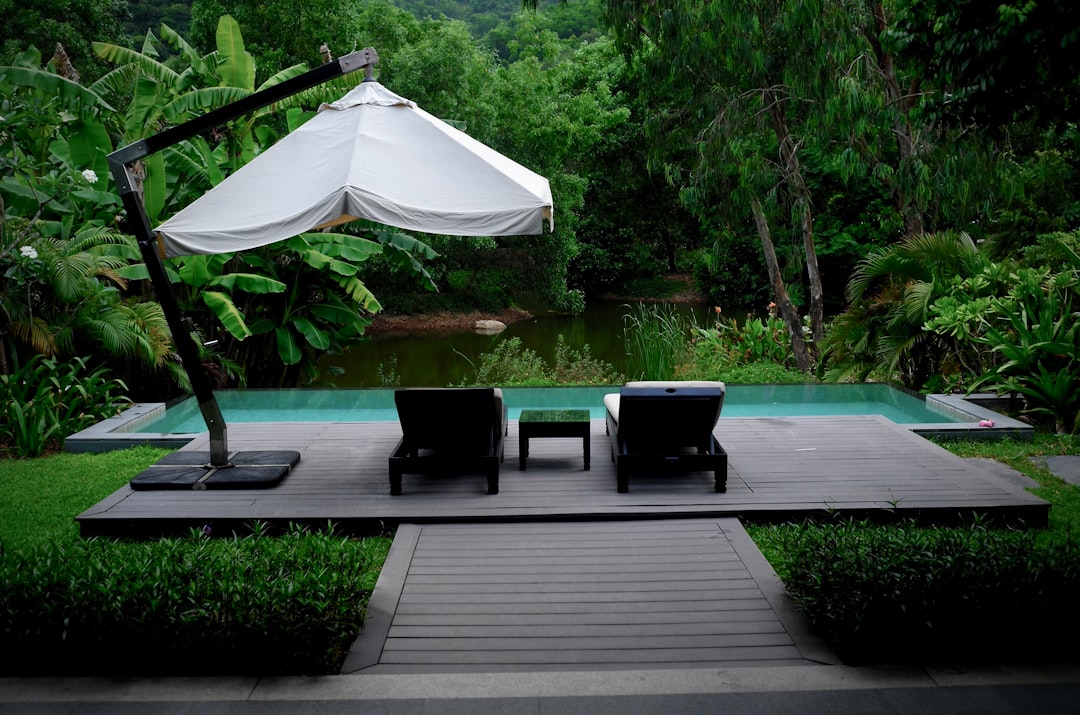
<point x="552" y="423"/>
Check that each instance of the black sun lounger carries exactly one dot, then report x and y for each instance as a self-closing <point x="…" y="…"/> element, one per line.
<point x="666" y="427"/>
<point x="449" y="430"/>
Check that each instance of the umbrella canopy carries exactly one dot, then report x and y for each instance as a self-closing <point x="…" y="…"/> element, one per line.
<point x="374" y="155"/>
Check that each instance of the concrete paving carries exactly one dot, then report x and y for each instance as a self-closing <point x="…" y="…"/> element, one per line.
<point x="804" y="689"/>
<point x="1066" y="466"/>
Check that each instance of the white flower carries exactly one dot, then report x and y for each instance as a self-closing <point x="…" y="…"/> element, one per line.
<point x="28" y="252"/>
<point x="90" y="175"/>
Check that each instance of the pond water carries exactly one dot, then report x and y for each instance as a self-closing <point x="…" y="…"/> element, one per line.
<point x="449" y="357"/>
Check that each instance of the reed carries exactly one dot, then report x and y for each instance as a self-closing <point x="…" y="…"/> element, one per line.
<point x="657" y="338"/>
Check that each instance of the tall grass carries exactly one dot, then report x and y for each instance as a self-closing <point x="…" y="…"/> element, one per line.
<point x="657" y="338"/>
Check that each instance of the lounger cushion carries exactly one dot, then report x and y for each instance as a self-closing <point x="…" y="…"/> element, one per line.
<point x="611" y="401"/>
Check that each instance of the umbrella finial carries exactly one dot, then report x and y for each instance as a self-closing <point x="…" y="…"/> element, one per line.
<point x="365" y="58"/>
<point x="370" y="57"/>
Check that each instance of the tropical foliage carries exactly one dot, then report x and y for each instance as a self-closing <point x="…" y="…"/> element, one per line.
<point x="1023" y="327"/>
<point x="895" y="144"/>
<point x="891" y="292"/>
<point x="45" y="400"/>
<point x="511" y="363"/>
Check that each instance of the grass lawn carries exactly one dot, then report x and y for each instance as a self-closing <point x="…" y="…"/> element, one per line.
<point x="43" y="496"/>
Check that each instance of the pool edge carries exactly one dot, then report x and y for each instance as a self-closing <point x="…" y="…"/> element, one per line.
<point x="115" y="432"/>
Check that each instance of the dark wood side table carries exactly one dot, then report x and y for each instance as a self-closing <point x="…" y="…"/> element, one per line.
<point x="552" y="423"/>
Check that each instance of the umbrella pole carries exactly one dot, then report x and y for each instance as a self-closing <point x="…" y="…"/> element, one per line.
<point x="121" y="163"/>
<point x="170" y="306"/>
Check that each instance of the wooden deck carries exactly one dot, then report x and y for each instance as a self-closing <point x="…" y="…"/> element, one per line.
<point x="778" y="468"/>
<point x="560" y="572"/>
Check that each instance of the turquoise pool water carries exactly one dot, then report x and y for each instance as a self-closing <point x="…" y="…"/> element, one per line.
<point x="377" y="405"/>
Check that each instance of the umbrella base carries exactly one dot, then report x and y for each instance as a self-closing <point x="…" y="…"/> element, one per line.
<point x="191" y="470"/>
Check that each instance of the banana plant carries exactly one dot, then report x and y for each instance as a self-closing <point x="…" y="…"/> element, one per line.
<point x="161" y="96"/>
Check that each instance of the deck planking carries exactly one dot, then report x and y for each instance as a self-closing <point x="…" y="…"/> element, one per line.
<point x="655" y="594"/>
<point x="778" y="468"/>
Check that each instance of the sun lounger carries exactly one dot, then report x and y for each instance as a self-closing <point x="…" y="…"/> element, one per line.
<point x="666" y="427"/>
<point x="449" y="431"/>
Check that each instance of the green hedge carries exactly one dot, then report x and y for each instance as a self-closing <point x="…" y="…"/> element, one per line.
<point x="905" y="593"/>
<point x="291" y="604"/>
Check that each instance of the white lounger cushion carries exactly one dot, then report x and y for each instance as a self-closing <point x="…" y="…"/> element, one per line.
<point x="611" y="400"/>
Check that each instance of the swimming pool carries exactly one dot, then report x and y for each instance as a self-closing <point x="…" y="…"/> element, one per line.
<point x="377" y="405"/>
<point x="950" y="416"/>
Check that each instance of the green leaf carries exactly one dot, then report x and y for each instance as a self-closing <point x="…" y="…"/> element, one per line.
<point x="146" y="65"/>
<point x="248" y="282"/>
<point x="295" y="118"/>
<point x="237" y="68"/>
<point x="191" y="56"/>
<point x="200" y="101"/>
<point x="73" y="95"/>
<point x="359" y="293"/>
<point x="89" y="146"/>
<point x="288" y="350"/>
<point x="134" y="272"/>
<point x="285" y="74"/>
<point x="199" y="270"/>
<point x="154" y="185"/>
<point x="317" y="338"/>
<point x="143" y="113"/>
<point x="227" y="312"/>
<point x="341" y="315"/>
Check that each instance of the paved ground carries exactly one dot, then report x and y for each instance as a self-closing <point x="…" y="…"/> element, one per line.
<point x="810" y="689"/>
<point x="1065" y="466"/>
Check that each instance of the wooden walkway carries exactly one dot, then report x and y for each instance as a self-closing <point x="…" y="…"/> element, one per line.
<point x="778" y="468"/>
<point x="687" y="593"/>
<point x="559" y="571"/>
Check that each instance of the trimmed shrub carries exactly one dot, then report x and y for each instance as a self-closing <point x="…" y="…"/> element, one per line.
<point x="902" y="594"/>
<point x="254" y="605"/>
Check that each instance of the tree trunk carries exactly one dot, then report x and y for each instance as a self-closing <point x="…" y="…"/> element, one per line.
<point x="789" y="157"/>
<point x="787" y="310"/>
<point x="914" y="221"/>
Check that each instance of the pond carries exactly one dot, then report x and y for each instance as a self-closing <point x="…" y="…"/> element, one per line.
<point x="449" y="357"/>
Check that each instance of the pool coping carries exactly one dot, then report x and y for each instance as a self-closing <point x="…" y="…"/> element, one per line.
<point x="116" y="432"/>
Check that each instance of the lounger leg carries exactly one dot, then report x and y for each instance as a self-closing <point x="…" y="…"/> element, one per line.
<point x="493" y="480"/>
<point x="395" y="481"/>
<point x="721" y="475"/>
<point x="622" y="476"/>
<point x="587" y="447"/>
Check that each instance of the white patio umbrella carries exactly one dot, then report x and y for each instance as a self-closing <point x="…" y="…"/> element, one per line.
<point x="374" y="155"/>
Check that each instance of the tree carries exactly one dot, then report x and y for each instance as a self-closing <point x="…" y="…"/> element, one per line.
<point x="73" y="24"/>
<point x="746" y="84"/>
<point x="994" y="63"/>
<point x="281" y="33"/>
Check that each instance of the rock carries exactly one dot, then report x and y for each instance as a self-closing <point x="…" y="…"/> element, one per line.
<point x="490" y="327"/>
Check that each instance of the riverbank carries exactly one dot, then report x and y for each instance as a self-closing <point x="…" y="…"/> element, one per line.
<point x="443" y="320"/>
<point x="682" y="291"/>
